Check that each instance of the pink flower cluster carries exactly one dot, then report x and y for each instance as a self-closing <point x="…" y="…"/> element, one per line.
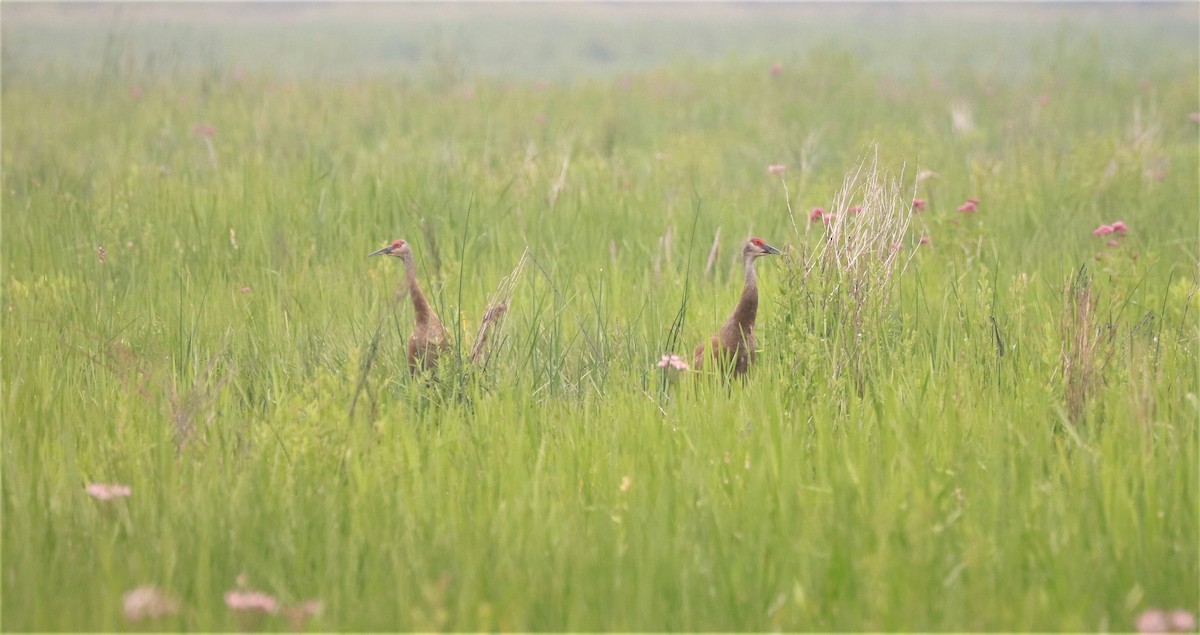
<point x="671" y="360"/>
<point x="148" y="602"/>
<point x="1118" y="229"/>
<point x="248" y="601"/>
<point x="1155" y="620"/>
<point x="106" y="491"/>
<point x="820" y="214"/>
<point x="776" y="168"/>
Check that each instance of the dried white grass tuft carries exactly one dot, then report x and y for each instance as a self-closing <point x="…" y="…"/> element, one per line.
<point x="962" y="118"/>
<point x="856" y="263"/>
<point x="866" y="246"/>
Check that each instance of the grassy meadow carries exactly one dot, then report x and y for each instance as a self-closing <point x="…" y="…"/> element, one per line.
<point x="958" y="420"/>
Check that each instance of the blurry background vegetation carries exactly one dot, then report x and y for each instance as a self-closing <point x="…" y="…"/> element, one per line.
<point x="1000" y="435"/>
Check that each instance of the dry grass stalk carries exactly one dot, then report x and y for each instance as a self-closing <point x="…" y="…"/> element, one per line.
<point x="862" y="251"/>
<point x="712" y="253"/>
<point x="856" y="263"/>
<point x="962" y="118"/>
<point x="1082" y="339"/>
<point x="493" y="316"/>
<point x="560" y="182"/>
<point x="865" y="245"/>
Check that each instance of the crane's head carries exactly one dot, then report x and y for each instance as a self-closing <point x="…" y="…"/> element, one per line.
<point x="398" y="248"/>
<point x="756" y="247"/>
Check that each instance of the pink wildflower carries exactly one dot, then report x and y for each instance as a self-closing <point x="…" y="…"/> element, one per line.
<point x="1044" y="101"/>
<point x="1113" y="243"/>
<point x="1182" y="621"/>
<point x="251" y="601"/>
<point x="205" y="130"/>
<point x="105" y="491"/>
<point x="671" y="360"/>
<point x="925" y="240"/>
<point x="135" y="91"/>
<point x="855" y="209"/>
<point x="1152" y="621"/>
<point x="973" y="201"/>
<point x="246" y="289"/>
<point x="816" y="214"/>
<point x="968" y="208"/>
<point x="776" y="168"/>
<point x="1103" y="230"/>
<point x="918" y="205"/>
<point x="103" y="254"/>
<point x="148" y="602"/>
<point x="1120" y="227"/>
<point x="776" y="69"/>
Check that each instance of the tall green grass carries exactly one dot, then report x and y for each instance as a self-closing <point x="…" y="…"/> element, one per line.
<point x="997" y="430"/>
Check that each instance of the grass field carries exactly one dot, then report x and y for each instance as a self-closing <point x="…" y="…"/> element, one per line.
<point x="994" y="428"/>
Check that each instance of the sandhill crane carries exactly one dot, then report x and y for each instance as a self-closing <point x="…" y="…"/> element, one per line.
<point x="428" y="340"/>
<point x="733" y="346"/>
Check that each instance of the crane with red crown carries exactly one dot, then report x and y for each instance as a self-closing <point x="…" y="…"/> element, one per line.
<point x="732" y="347"/>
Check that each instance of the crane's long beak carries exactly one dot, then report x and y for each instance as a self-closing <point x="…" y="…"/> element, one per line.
<point x="771" y="250"/>
<point x="382" y="252"/>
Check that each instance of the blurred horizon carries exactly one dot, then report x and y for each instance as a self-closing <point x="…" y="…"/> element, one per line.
<point x="560" y="42"/>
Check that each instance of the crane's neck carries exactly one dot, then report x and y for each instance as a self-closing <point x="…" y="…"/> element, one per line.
<point x="420" y="305"/>
<point x="747" y="307"/>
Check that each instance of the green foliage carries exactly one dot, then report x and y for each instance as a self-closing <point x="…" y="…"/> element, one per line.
<point x="997" y="430"/>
